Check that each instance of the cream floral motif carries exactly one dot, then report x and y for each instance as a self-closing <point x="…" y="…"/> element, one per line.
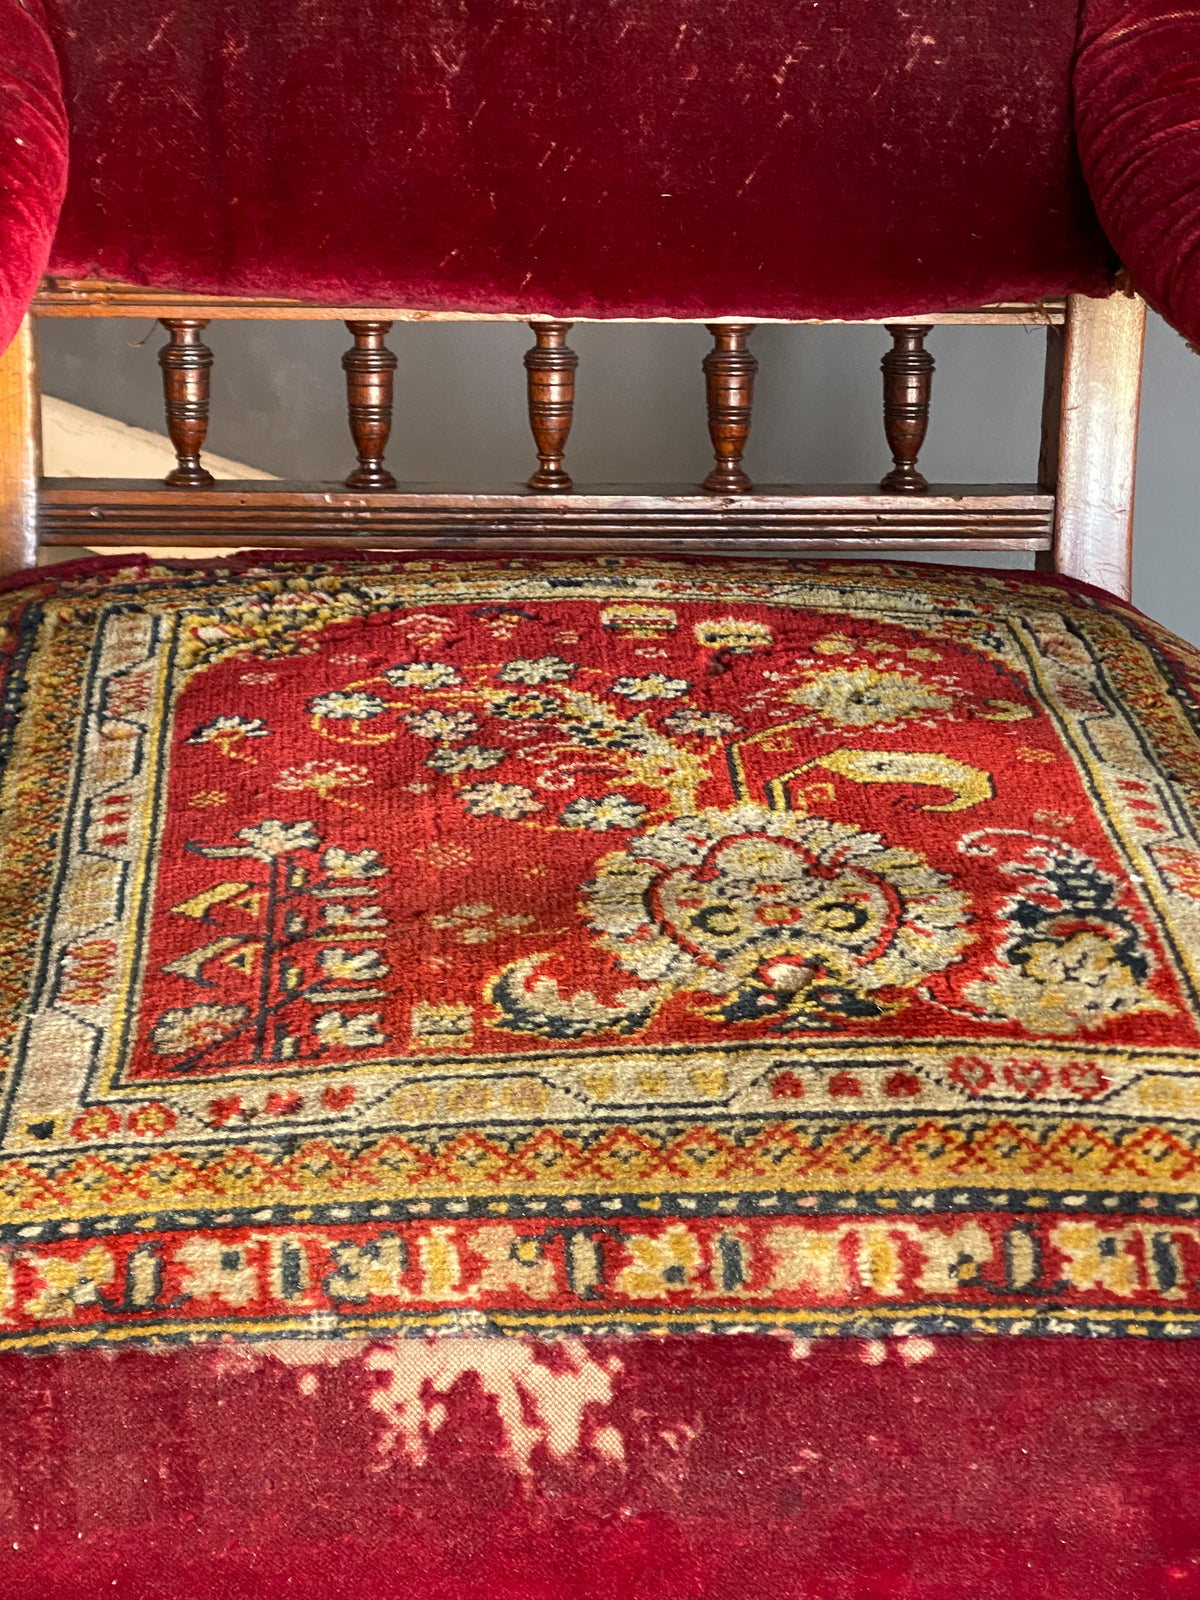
<point x="803" y="920"/>
<point x="341" y="863"/>
<point x="325" y="778"/>
<point x="268" y="839"/>
<point x="546" y="669"/>
<point x="354" y="966"/>
<point x="611" y="811"/>
<point x="347" y="705"/>
<point x="359" y="1032"/>
<point x="227" y="733"/>
<point x="705" y="724"/>
<point x="510" y="800"/>
<point x="570" y="732"/>
<point x="452" y="759"/>
<point x="449" y="725"/>
<point x="422" y="675"/>
<point x="338" y="915"/>
<point x="655" y="686"/>
<point x="480" y="924"/>
<point x="183" y="1031"/>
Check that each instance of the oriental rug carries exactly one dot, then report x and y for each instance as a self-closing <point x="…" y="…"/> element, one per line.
<point x="396" y="946"/>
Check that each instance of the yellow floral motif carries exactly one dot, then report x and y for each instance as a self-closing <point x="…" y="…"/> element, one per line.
<point x="68" y="1286"/>
<point x="442" y="1027"/>
<point x="637" y="620"/>
<point x="208" y="797"/>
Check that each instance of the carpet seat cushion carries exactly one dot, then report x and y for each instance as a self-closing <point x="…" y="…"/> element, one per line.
<point x="594" y="945"/>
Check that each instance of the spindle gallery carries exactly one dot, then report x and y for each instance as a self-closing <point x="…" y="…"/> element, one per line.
<point x="1067" y="517"/>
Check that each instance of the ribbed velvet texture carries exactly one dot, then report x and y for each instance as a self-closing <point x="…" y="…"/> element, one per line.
<point x="1137" y="112"/>
<point x="33" y="156"/>
<point x="635" y="157"/>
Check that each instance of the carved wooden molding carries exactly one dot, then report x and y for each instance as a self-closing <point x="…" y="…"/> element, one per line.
<point x="96" y="297"/>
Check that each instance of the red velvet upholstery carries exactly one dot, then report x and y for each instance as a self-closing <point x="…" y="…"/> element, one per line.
<point x="809" y="160"/>
<point x="960" y="1469"/>
<point x="1137" y="98"/>
<point x="33" y="156"/>
<point x="772" y="157"/>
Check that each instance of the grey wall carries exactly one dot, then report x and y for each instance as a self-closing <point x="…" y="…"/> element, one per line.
<point x="279" y="404"/>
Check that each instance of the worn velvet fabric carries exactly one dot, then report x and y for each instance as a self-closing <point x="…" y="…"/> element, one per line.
<point x="614" y="158"/>
<point x="800" y="161"/>
<point x="701" y="1469"/>
<point x="1137" y="99"/>
<point x="33" y="156"/>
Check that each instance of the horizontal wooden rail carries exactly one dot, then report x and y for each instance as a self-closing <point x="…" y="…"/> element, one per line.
<point x="92" y="297"/>
<point x="778" y="518"/>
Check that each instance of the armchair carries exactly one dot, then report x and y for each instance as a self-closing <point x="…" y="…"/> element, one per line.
<point x="553" y="1044"/>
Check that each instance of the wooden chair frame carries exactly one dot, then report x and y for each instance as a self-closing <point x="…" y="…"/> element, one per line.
<point x="1076" y="518"/>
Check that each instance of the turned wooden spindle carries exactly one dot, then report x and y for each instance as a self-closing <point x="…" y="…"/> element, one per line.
<point x="550" y="366"/>
<point x="369" y="367"/>
<point x="185" y="362"/>
<point x="729" y="370"/>
<point x="907" y="383"/>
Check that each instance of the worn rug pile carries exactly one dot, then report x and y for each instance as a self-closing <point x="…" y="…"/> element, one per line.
<point x="539" y="1078"/>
